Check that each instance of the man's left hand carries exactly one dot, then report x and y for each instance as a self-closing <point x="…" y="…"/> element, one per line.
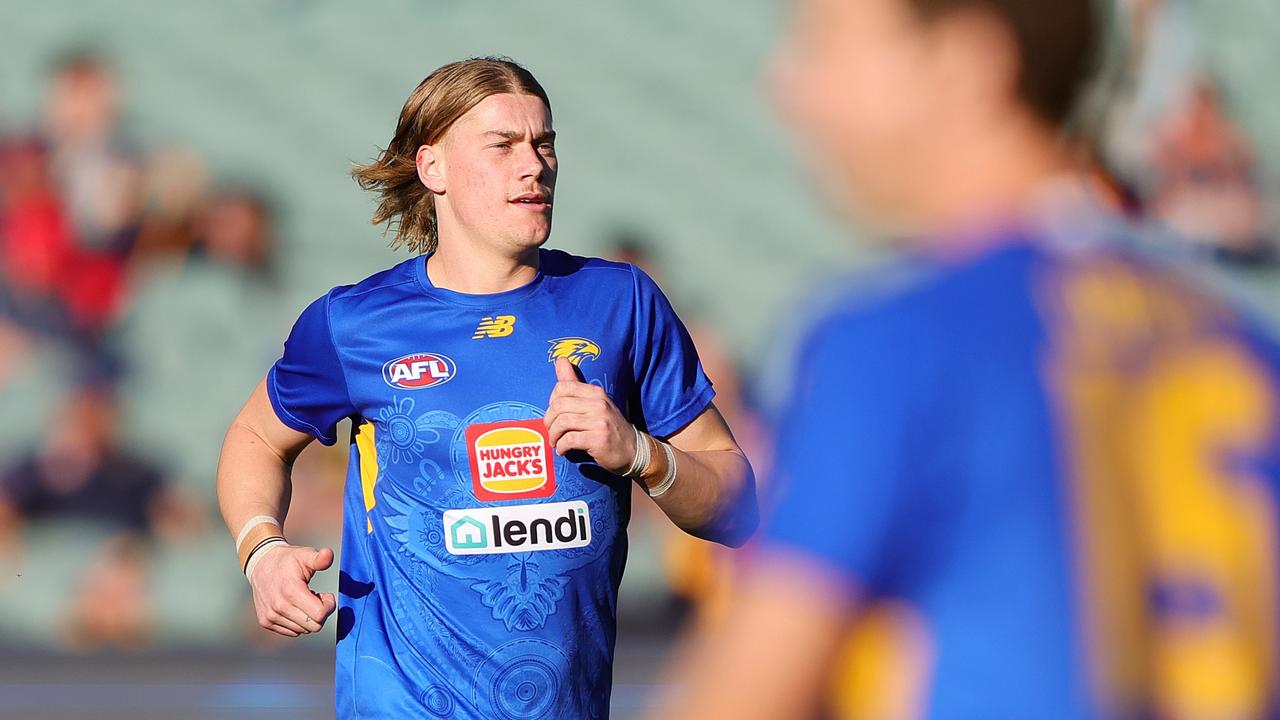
<point x="580" y="416"/>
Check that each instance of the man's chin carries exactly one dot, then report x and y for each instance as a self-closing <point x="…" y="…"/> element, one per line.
<point x="537" y="236"/>
<point x="876" y="217"/>
<point x="530" y="239"/>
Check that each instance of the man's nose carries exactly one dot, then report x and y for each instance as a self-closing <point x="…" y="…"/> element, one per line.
<point x="532" y="163"/>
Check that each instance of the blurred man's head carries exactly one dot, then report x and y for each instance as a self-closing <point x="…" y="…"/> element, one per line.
<point x="83" y="102"/>
<point x="473" y="158"/>
<point x="237" y="230"/>
<point x="896" y="97"/>
<point x="80" y="437"/>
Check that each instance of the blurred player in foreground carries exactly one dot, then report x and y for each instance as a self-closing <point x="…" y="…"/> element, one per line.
<point x="504" y="398"/>
<point x="1038" y="473"/>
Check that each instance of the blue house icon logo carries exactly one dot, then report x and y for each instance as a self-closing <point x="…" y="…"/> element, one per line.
<point x="469" y="533"/>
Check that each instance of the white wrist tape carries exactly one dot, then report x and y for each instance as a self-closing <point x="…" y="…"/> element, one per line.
<point x="670" y="478"/>
<point x="260" y="553"/>
<point x="251" y="523"/>
<point x="640" y="462"/>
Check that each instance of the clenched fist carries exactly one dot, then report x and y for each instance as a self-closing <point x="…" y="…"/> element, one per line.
<point x="282" y="597"/>
<point x="580" y="416"/>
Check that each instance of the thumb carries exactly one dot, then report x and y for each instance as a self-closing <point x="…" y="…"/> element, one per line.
<point x="330" y="603"/>
<point x="565" y="371"/>
<point x="321" y="560"/>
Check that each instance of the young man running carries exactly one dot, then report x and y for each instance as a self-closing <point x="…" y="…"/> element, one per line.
<point x="503" y="399"/>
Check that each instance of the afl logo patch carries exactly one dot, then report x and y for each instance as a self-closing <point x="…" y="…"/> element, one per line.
<point x="418" y="371"/>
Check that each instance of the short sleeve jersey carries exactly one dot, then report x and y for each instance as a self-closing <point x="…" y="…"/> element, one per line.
<point x="479" y="570"/>
<point x="1055" y="466"/>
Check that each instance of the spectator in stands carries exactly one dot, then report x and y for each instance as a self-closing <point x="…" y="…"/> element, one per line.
<point x="232" y="226"/>
<point x="69" y="214"/>
<point x="1206" y="184"/>
<point x="37" y="246"/>
<point x="100" y="183"/>
<point x="97" y="170"/>
<point x="237" y="230"/>
<point x="82" y="473"/>
<point x="176" y="186"/>
<point x="111" y="606"/>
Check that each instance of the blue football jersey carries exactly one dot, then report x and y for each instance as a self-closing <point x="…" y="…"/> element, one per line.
<point x="479" y="570"/>
<point x="1051" y="470"/>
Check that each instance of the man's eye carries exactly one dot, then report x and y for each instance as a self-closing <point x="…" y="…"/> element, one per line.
<point x="502" y="146"/>
<point x="547" y="147"/>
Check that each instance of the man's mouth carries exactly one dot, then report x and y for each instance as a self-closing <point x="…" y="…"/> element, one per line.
<point x="533" y="201"/>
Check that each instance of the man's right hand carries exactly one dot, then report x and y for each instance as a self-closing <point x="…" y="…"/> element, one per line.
<point x="282" y="598"/>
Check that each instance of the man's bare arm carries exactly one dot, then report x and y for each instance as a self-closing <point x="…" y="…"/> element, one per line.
<point x="770" y="657"/>
<point x="713" y="495"/>
<point x="254" y="480"/>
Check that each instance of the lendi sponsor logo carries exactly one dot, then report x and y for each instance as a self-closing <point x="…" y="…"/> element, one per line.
<point x="517" y="528"/>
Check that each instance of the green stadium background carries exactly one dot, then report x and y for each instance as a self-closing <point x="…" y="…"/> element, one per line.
<point x="664" y="129"/>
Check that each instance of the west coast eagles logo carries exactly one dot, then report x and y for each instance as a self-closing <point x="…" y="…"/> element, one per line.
<point x="575" y="348"/>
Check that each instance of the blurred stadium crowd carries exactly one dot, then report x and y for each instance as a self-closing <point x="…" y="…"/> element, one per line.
<point x="124" y="263"/>
<point x="88" y="218"/>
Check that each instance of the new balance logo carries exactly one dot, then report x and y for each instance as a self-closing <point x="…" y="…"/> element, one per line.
<point x="495" y="327"/>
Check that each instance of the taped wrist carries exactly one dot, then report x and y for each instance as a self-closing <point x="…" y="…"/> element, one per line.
<point x="254" y="534"/>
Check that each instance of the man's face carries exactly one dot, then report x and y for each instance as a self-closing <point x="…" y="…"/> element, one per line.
<point x="82" y="105"/>
<point x="498" y="170"/>
<point x="857" y="81"/>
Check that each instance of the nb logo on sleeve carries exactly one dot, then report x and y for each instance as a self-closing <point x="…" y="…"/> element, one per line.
<point x="495" y="327"/>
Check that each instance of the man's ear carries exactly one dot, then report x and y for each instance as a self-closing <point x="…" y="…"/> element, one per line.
<point x="430" y="170"/>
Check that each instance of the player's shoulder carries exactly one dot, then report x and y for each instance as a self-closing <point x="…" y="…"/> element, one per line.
<point x="860" y="317"/>
<point x="560" y="263"/>
<point x="908" y="311"/>
<point x="869" y="304"/>
<point x="382" y="285"/>
<point x="594" y="272"/>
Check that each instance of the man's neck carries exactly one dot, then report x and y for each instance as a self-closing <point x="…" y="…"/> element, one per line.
<point x="993" y="182"/>
<point x="467" y="267"/>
